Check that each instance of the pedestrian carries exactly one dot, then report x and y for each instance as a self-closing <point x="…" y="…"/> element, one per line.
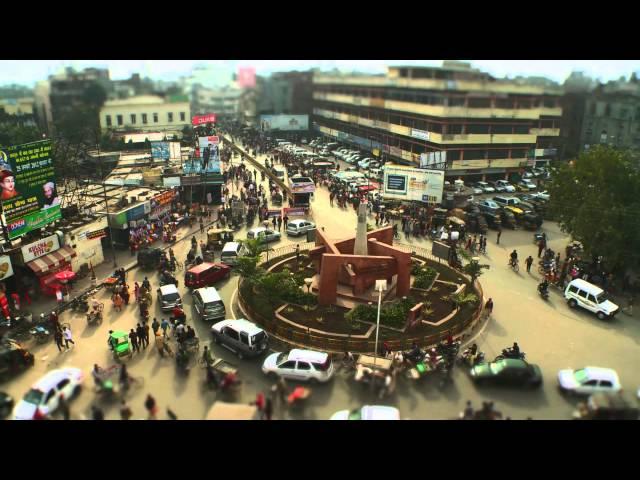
<point x="528" y="263"/>
<point x="140" y="336"/>
<point x="145" y="327"/>
<point x="279" y="391"/>
<point x="260" y="403"/>
<point x="152" y="408"/>
<point x="155" y="326"/>
<point x="558" y="259"/>
<point x="125" y="294"/>
<point x="160" y="344"/>
<point x="285" y="219"/>
<point x="117" y="302"/>
<point x="377" y="219"/>
<point x="275" y="222"/>
<point x="499" y="235"/>
<point x="136" y="291"/>
<point x="96" y="413"/>
<point x="133" y="338"/>
<point x="125" y="411"/>
<point x="268" y="409"/>
<point x="298" y="253"/>
<point x="540" y="247"/>
<point x="57" y="335"/>
<point x="164" y="325"/>
<point x="64" y="408"/>
<point x="67" y="337"/>
<point x="27" y="298"/>
<point x="489" y="307"/>
<point x="468" y="246"/>
<point x="279" y="222"/>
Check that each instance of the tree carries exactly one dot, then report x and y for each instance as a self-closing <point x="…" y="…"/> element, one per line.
<point x="254" y="247"/>
<point x="247" y="268"/>
<point x="596" y="199"/>
<point x="13" y="134"/>
<point x="462" y="299"/>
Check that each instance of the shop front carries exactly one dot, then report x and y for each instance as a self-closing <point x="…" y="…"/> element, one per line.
<point x="128" y="222"/>
<point x="6" y="289"/>
<point x="87" y="243"/>
<point x="44" y="259"/>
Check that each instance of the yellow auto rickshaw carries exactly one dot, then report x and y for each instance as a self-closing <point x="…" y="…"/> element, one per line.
<point x="217" y="237"/>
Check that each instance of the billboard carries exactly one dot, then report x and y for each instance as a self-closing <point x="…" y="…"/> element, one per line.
<point x="29" y="195"/>
<point x="203" y="119"/>
<point x="289" y="123"/>
<point x="409" y="183"/>
<point x="6" y="269"/>
<point x="211" y="142"/>
<point x="246" y="77"/>
<point x="160" y="150"/>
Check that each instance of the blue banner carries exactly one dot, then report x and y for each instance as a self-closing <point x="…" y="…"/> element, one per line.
<point x="160" y="150"/>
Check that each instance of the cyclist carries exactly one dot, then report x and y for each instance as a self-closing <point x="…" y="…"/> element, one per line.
<point x="206" y="356"/>
<point x="514" y="258"/>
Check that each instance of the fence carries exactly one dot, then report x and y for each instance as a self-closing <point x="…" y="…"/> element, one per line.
<point x="288" y="334"/>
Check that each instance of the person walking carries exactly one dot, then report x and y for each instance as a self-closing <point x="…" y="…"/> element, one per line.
<point x="67" y="337"/>
<point x="540" y="247"/>
<point x="133" y="338"/>
<point x="260" y="404"/>
<point x="145" y="328"/>
<point x="499" y="235"/>
<point x="63" y="406"/>
<point x="275" y="222"/>
<point x="201" y="227"/>
<point x="136" y="291"/>
<point x="155" y="326"/>
<point x="152" y="408"/>
<point x="298" y="253"/>
<point x="140" y="337"/>
<point x="279" y="222"/>
<point x="125" y="293"/>
<point x="164" y="325"/>
<point x="57" y="335"/>
<point x="285" y="219"/>
<point x="125" y="411"/>
<point x="160" y="344"/>
<point x="489" y="307"/>
<point x="528" y="263"/>
<point x="279" y="391"/>
<point x="96" y="413"/>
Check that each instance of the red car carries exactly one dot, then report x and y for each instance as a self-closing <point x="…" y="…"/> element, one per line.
<point x="206" y="274"/>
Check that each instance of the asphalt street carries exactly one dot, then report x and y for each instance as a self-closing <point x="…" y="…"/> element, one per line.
<point x="552" y="335"/>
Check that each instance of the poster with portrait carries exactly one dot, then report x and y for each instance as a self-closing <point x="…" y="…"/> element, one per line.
<point x="28" y="187"/>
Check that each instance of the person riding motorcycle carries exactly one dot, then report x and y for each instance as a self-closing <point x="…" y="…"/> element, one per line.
<point x="515" y="349"/>
<point x="543" y="287"/>
<point x="182" y="358"/>
<point x="513" y="258"/>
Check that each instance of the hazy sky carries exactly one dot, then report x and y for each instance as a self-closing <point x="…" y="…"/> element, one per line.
<point x="29" y="71"/>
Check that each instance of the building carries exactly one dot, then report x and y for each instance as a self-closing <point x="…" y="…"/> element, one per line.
<point x="483" y="127"/>
<point x="146" y="113"/>
<point x="70" y="91"/>
<point x="224" y="102"/>
<point x="130" y="87"/>
<point x="285" y="93"/>
<point x="42" y="105"/>
<point x="18" y="110"/>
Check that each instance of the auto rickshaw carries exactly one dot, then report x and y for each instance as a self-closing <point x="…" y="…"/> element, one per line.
<point x="120" y="344"/>
<point x="150" y="257"/>
<point x="493" y="219"/>
<point x="508" y="219"/>
<point x="217" y="237"/>
<point x="439" y="216"/>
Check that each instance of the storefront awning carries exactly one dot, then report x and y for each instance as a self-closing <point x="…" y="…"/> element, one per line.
<point x="52" y="260"/>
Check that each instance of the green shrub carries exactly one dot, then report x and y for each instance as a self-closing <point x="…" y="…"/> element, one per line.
<point x="424" y="277"/>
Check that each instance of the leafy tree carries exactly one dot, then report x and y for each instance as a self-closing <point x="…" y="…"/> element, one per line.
<point x="276" y="286"/>
<point x="463" y="299"/>
<point x="254" y="247"/>
<point x="596" y="199"/>
<point x="474" y="269"/>
<point x="14" y="134"/>
<point x="248" y="268"/>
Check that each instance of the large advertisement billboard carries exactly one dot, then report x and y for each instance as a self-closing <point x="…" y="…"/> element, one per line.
<point x="408" y="183"/>
<point x="160" y="150"/>
<point x="213" y="162"/>
<point x="203" y="119"/>
<point x="289" y="123"/>
<point x="29" y="195"/>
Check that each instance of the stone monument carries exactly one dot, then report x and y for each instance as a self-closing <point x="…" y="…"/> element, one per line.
<point x="360" y="247"/>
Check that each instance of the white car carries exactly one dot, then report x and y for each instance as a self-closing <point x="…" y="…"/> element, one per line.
<point x="506" y="186"/>
<point x="477" y="190"/>
<point x="365" y="163"/>
<point x="299" y="227"/>
<point x="265" y="234"/>
<point x="588" y="380"/>
<point x="542" y="195"/>
<point x="526" y="184"/>
<point x="46" y="392"/>
<point x="298" y="364"/>
<point x="486" y="188"/>
<point x="368" y="412"/>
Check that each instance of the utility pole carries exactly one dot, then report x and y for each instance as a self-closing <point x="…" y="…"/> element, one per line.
<point x="106" y="204"/>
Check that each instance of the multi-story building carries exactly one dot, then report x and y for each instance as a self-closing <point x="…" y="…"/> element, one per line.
<point x="71" y="90"/>
<point x="285" y="93"/>
<point x="146" y="113"/>
<point x="42" y="105"/>
<point x="18" y="111"/>
<point x="488" y="128"/>
<point x="224" y="102"/>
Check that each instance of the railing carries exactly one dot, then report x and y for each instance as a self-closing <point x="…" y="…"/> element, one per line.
<point x="277" y="253"/>
<point x="288" y="334"/>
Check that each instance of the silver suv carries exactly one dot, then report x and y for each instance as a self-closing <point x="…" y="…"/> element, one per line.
<point x="241" y="337"/>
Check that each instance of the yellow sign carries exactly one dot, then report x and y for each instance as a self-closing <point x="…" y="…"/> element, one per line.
<point x="376" y="152"/>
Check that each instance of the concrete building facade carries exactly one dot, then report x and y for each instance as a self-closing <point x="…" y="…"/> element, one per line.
<point x="146" y="113"/>
<point x="489" y="128"/>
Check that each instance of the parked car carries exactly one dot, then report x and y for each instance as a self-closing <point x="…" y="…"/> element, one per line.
<point x="485" y="187"/>
<point x="206" y="274"/>
<point x="299" y="227"/>
<point x="477" y="190"/>
<point x="488" y="205"/>
<point x="590" y="297"/>
<point x="506" y="186"/>
<point x="14" y="358"/>
<point x="497" y="186"/>
<point x="365" y="163"/>
<point x="264" y="234"/>
<point x="542" y="195"/>
<point x="368" y="412"/>
<point x="589" y="380"/>
<point x="508" y="372"/>
<point x="298" y="364"/>
<point x="506" y="201"/>
<point x="240" y="336"/>
<point x="169" y="298"/>
<point x="46" y="392"/>
<point x="525" y="185"/>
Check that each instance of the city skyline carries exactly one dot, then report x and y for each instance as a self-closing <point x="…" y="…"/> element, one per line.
<point x="28" y="72"/>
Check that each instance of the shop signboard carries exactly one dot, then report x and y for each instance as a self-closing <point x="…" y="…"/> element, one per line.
<point x="171" y="182"/>
<point x="41" y="247"/>
<point x="410" y="183"/>
<point x="294" y="212"/>
<point x="160" y="150"/>
<point x="203" y="119"/>
<point x="395" y="151"/>
<point x="421" y="134"/>
<point x="273" y="213"/>
<point x="212" y="142"/>
<point x="29" y="196"/>
<point x="284" y="122"/>
<point x="6" y="269"/>
<point x="136" y="213"/>
<point x="96" y="234"/>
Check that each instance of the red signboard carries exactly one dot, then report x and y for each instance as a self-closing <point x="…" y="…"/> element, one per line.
<point x="203" y="119"/>
<point x="294" y="212"/>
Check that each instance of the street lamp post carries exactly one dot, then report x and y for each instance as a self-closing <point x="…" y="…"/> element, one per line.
<point x="381" y="286"/>
<point x="106" y="206"/>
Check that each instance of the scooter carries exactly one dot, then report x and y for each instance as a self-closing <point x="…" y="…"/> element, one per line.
<point x="544" y="292"/>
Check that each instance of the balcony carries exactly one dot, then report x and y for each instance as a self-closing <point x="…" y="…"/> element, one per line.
<point x="545" y="132"/>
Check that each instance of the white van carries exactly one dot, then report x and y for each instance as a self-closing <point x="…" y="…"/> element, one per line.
<point x="279" y="171"/>
<point x="208" y="304"/>
<point x="586" y="295"/>
<point x="230" y="253"/>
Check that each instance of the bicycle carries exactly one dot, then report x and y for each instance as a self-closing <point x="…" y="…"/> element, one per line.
<point x="514" y="265"/>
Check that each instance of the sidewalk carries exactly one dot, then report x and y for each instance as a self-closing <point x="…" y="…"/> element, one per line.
<point x="124" y="259"/>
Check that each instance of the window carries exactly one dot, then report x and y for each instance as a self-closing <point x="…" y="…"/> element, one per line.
<point x="591" y="298"/>
<point x="244" y="338"/>
<point x="289" y="365"/>
<point x="50" y="395"/>
<point x="170" y="117"/>
<point x="182" y="116"/>
<point x="108" y="120"/>
<point x="144" y="118"/>
<point x="591" y="383"/>
<point x="155" y="118"/>
<point x="63" y="384"/>
<point x="231" y="333"/>
<point x="573" y="289"/>
<point x="119" y="118"/>
<point x="603" y="136"/>
<point x="606" y="384"/>
<point x="304" y="366"/>
<point x="133" y="119"/>
<point x="582" y="293"/>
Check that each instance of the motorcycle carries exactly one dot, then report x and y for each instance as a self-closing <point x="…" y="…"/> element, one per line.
<point x="414" y="356"/>
<point x="544" y="292"/>
<point x="80" y="304"/>
<point x="509" y="353"/>
<point x="166" y="279"/>
<point x="470" y="360"/>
